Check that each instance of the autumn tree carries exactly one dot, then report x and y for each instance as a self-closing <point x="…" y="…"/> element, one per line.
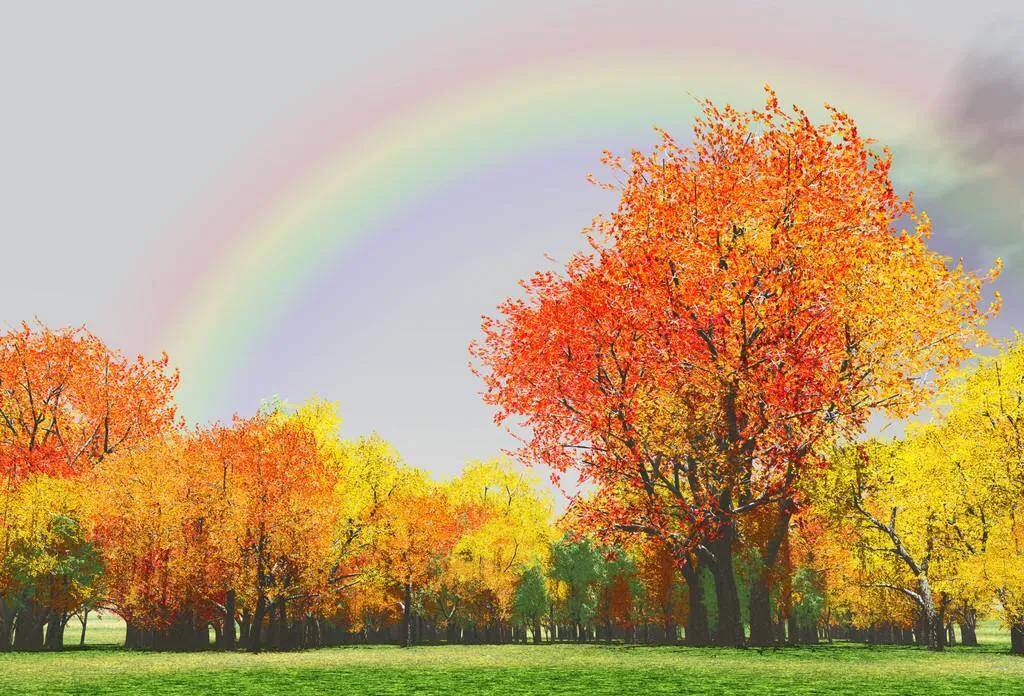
<point x="904" y="507"/>
<point x="411" y="549"/>
<point x="514" y="532"/>
<point x="980" y="439"/>
<point x="153" y="511"/>
<point x="278" y="522"/>
<point x="67" y="401"/>
<point x="752" y="300"/>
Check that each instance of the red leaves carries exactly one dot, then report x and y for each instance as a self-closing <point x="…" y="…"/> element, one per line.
<point x="66" y="400"/>
<point x="749" y="301"/>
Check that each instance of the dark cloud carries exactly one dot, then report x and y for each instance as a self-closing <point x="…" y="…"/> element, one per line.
<point x="982" y="117"/>
<point x="985" y="109"/>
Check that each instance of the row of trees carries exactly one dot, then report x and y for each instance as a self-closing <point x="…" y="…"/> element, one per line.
<point x="708" y="372"/>
<point x="934" y="517"/>
<point x="258" y="530"/>
<point x="275" y="532"/>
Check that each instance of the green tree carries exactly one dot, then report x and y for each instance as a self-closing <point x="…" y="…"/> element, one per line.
<point x="580" y="567"/>
<point x="531" y="599"/>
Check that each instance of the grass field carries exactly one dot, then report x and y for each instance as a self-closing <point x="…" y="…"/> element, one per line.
<point x="560" y="669"/>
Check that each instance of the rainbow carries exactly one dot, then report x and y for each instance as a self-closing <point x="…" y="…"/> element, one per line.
<point x="365" y="166"/>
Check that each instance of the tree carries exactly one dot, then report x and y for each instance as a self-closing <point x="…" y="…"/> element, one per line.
<point x="981" y="437"/>
<point x="900" y="502"/>
<point x="51" y="568"/>
<point x="67" y="401"/>
<point x="579" y="566"/>
<point x="279" y="522"/>
<point x="153" y="511"/>
<point x="530" y="601"/>
<point x="751" y="301"/>
<point x="514" y="532"/>
<point x="421" y="526"/>
<point x="658" y="569"/>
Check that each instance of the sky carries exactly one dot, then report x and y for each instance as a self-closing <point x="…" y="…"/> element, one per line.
<point x="325" y="198"/>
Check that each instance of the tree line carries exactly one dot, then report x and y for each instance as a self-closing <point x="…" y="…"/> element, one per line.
<point x="708" y="372"/>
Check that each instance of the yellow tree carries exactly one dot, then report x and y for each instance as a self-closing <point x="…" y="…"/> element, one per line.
<point x="51" y="564"/>
<point x="983" y="434"/>
<point x="411" y="548"/>
<point x="154" y="510"/>
<point x="906" y="504"/>
<point x="515" y="532"/>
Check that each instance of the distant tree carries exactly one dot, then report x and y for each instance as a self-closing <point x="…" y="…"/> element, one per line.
<point x="530" y="601"/>
<point x="579" y="566"/>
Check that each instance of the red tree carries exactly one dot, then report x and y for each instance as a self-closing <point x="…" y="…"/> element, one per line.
<point x="751" y="299"/>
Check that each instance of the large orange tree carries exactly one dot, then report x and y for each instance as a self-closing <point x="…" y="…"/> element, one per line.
<point x="753" y="297"/>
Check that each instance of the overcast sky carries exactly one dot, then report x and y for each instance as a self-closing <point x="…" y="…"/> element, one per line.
<point x="127" y="130"/>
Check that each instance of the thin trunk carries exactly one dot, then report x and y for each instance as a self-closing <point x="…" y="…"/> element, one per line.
<point x="407" y="616"/>
<point x="85" y="622"/>
<point x="228" y="630"/>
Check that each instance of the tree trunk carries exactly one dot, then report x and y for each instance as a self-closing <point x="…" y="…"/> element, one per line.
<point x="85" y="622"/>
<point x="793" y="628"/>
<point x="131" y="636"/>
<point x="55" y="626"/>
<point x="968" y="627"/>
<point x="932" y="619"/>
<point x="228" y="630"/>
<point x="7" y="615"/>
<point x="1017" y="639"/>
<point x="730" y="630"/>
<point x="28" y="628"/>
<point x="761" y="633"/>
<point x="536" y="631"/>
<point x="244" y="626"/>
<point x="671" y="630"/>
<point x="407" y="616"/>
<point x="697" y="619"/>
<point x="256" y="627"/>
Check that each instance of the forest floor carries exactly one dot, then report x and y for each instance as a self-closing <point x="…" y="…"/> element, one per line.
<point x="843" y="668"/>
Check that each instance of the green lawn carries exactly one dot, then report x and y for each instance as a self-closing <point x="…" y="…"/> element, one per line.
<point x="560" y="670"/>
